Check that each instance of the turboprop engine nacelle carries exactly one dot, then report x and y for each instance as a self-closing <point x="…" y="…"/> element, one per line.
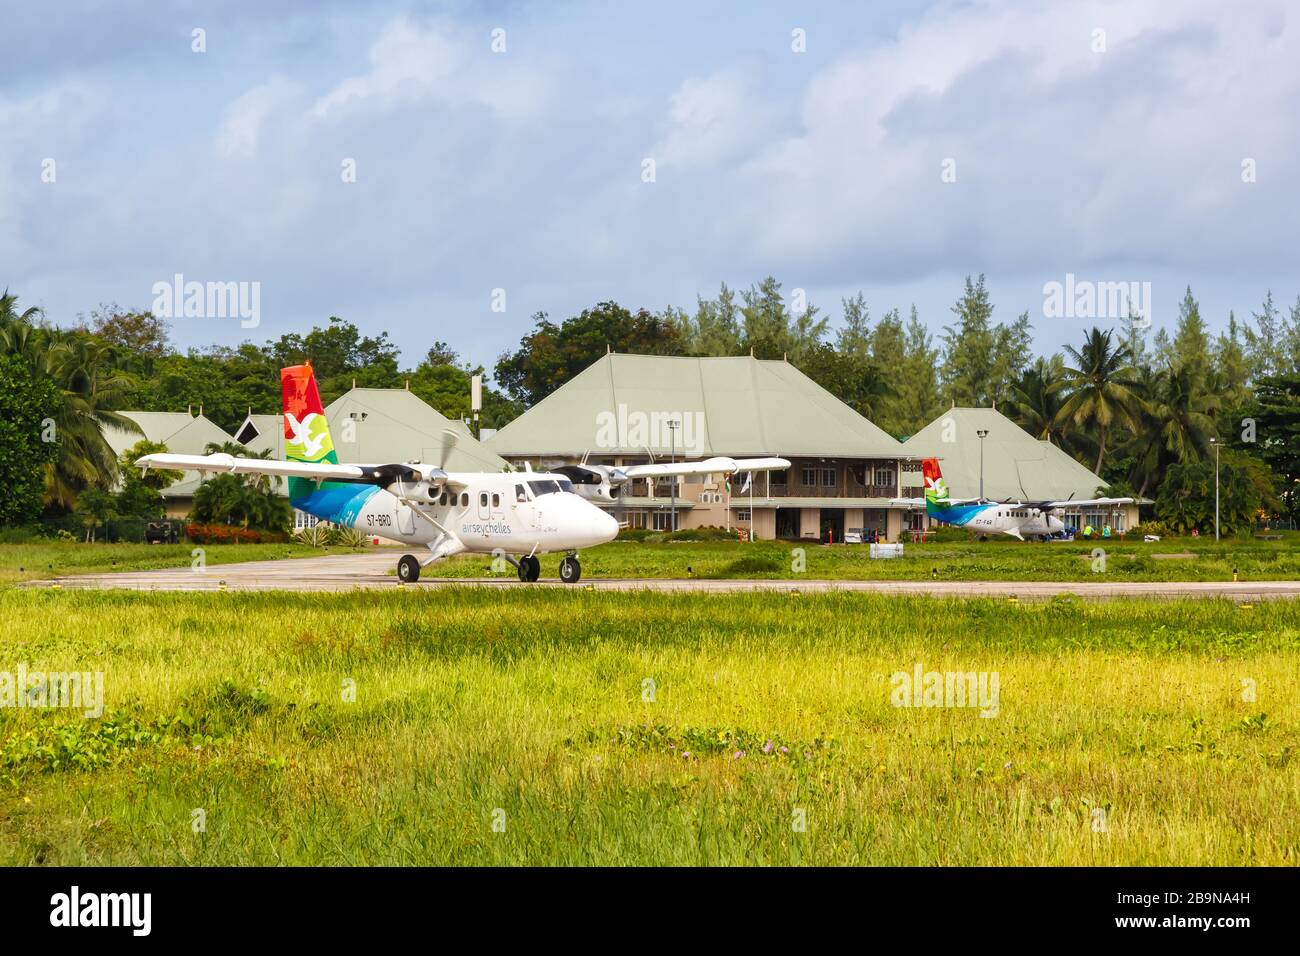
<point x="594" y="482"/>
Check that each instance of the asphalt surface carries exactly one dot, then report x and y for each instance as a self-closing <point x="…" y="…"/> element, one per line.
<point x="373" y="571"/>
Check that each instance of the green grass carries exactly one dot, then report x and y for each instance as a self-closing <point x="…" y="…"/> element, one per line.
<point x="952" y="561"/>
<point x="531" y="703"/>
<point x="945" y="560"/>
<point x="46" y="559"/>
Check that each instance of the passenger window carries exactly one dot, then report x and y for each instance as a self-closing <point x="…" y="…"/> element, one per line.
<point x="464" y="499"/>
<point x="496" y="501"/>
<point x="482" y="499"/>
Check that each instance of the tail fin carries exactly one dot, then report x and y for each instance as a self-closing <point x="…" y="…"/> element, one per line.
<point x="936" y="489"/>
<point x="306" y="433"/>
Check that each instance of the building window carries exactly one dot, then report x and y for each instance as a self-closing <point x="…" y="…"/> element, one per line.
<point x="742" y="514"/>
<point x="303" y="520"/>
<point x="828" y="478"/>
<point x="884" y="477"/>
<point x="810" y="477"/>
<point x="663" y="520"/>
<point x="780" y="477"/>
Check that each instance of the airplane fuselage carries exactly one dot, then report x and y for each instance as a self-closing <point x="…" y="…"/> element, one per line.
<point x="488" y="513"/>
<point x="1016" y="520"/>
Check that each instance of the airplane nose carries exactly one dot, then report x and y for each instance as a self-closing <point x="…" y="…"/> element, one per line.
<point x="604" y="527"/>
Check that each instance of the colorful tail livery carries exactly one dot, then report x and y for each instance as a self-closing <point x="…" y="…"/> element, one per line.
<point x="307" y="439"/>
<point x="938" y="504"/>
<point x="936" y="489"/>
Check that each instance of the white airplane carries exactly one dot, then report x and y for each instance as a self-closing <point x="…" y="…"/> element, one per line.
<point x="515" y="515"/>
<point x="1019" y="519"/>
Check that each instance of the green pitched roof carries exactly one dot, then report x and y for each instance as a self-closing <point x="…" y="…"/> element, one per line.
<point x="748" y="406"/>
<point x="393" y="425"/>
<point x="182" y="433"/>
<point x="1016" y="464"/>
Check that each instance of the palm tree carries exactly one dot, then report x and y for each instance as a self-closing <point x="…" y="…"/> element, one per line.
<point x="1103" y="389"/>
<point x="1035" y="401"/>
<point x="91" y="392"/>
<point x="10" y="314"/>
<point x="1187" y="418"/>
<point x="1146" y="446"/>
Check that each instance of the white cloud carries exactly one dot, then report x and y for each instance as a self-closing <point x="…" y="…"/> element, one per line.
<point x="244" y="118"/>
<point x="1063" y="154"/>
<point x="714" y="118"/>
<point x="412" y="60"/>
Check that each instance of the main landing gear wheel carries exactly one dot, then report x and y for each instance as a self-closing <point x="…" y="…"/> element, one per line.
<point x="570" y="570"/>
<point x="530" y="568"/>
<point x="408" y="569"/>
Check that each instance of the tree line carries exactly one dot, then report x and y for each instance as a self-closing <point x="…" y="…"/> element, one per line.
<point x="1144" y="411"/>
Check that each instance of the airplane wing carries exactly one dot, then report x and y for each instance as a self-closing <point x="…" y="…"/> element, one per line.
<point x="1072" y="502"/>
<point x="709" y="466"/>
<point x="383" y="475"/>
<point x="920" y="502"/>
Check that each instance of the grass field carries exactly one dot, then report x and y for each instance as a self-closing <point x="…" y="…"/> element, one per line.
<point x="48" y="559"/>
<point x="1122" y="733"/>
<point x="1184" y="559"/>
<point x="1178" y="560"/>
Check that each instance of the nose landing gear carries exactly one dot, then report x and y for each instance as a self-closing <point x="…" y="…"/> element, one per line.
<point x="408" y="569"/>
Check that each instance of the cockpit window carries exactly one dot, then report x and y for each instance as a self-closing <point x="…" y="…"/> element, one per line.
<point x="566" y="485"/>
<point x="544" y="486"/>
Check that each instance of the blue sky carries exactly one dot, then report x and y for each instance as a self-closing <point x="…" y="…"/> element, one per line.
<point x="1103" y="139"/>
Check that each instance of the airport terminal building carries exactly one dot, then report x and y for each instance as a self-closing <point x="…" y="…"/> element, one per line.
<point x="632" y="409"/>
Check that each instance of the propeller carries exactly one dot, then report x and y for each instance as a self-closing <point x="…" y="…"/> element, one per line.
<point x="449" y="438"/>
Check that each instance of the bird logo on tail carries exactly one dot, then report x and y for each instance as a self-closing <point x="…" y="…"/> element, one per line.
<point x="936" y="489"/>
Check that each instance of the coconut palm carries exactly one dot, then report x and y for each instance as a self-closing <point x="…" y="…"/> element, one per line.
<point x="91" y="391"/>
<point x="1102" y="389"/>
<point x="1186" y="416"/>
<point x="1035" y="400"/>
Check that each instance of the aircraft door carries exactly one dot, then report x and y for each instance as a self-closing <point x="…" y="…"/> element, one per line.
<point x="405" y="519"/>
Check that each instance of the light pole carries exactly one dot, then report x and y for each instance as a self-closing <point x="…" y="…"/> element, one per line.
<point x="673" y="425"/>
<point x="982" y="433"/>
<point x="1215" y="442"/>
